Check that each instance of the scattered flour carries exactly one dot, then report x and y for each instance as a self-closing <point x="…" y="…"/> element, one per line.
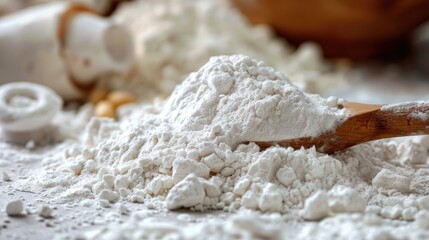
<point x="234" y="227"/>
<point x="419" y="109"/>
<point x="251" y="226"/>
<point x="191" y="150"/>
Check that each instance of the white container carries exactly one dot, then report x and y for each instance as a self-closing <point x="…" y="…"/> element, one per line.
<point x="93" y="47"/>
<point x="26" y="112"/>
<point x="65" y="47"/>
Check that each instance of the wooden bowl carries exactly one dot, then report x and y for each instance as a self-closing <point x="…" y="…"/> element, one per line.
<point x="343" y="28"/>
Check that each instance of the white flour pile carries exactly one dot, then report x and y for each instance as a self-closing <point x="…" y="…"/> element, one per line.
<point x="188" y="151"/>
<point x="248" y="101"/>
<point x="190" y="144"/>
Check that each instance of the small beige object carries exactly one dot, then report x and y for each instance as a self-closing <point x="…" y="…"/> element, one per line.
<point x="119" y="98"/>
<point x="14" y="208"/>
<point x="97" y="95"/>
<point x="45" y="212"/>
<point x="105" y="109"/>
<point x="6" y="177"/>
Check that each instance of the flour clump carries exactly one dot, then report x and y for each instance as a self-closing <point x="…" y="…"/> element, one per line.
<point x="316" y="206"/>
<point x="388" y="179"/>
<point x="345" y="199"/>
<point x="14" y="208"/>
<point x="187" y="193"/>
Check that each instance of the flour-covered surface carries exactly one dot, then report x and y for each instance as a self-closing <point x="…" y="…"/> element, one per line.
<point x="162" y="172"/>
<point x="185" y="167"/>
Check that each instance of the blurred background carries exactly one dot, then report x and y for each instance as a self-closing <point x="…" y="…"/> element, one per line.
<point x="343" y="28"/>
<point x="388" y="41"/>
<point x="383" y="44"/>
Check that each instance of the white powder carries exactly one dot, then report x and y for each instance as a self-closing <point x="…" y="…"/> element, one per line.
<point x="312" y="172"/>
<point x="188" y="193"/>
<point x="422" y="219"/>
<point x="417" y="107"/>
<point x="316" y="206"/>
<point x="401" y="107"/>
<point x="186" y="152"/>
<point x="251" y="226"/>
<point x="245" y="98"/>
<point x="388" y="179"/>
<point x="345" y="199"/>
<point x="198" y="131"/>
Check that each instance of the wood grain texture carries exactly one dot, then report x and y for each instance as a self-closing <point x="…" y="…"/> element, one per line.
<point x="366" y="123"/>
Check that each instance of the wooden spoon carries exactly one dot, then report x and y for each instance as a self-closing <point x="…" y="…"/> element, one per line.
<point x="365" y="123"/>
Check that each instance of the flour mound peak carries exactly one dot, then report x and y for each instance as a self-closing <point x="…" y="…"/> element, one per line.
<point x="250" y="101"/>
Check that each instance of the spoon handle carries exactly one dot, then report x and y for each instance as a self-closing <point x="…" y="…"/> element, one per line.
<point x="396" y="120"/>
<point x="367" y="123"/>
